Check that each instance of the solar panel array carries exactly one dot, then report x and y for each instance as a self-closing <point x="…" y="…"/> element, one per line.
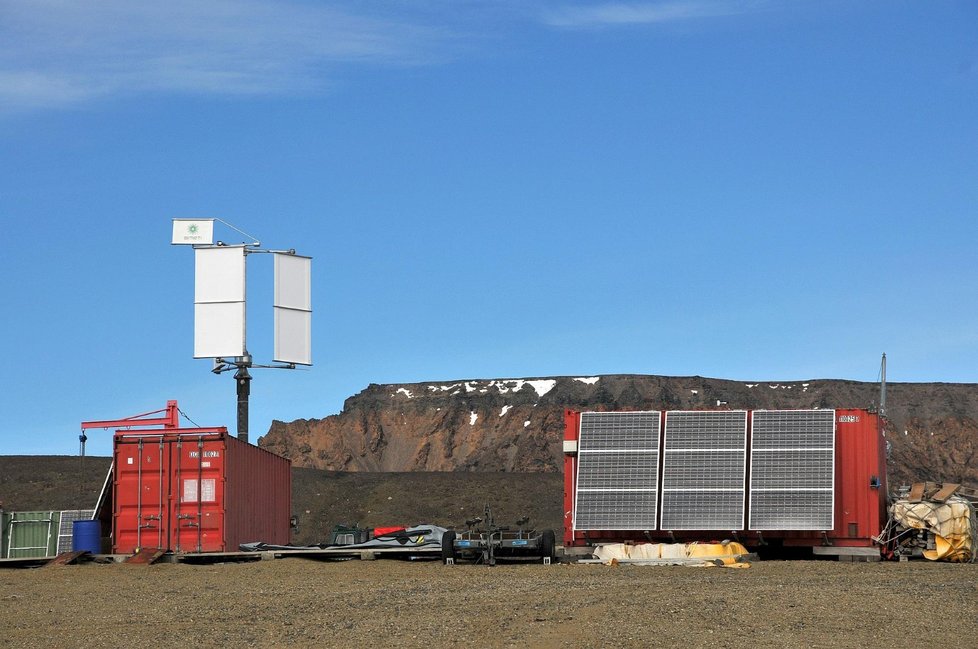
<point x="704" y="470"/>
<point x="792" y="481"/>
<point x="617" y="471"/>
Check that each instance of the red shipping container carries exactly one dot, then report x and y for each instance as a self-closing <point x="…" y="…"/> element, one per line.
<point x="860" y="477"/>
<point x="197" y="490"/>
<point x="858" y="495"/>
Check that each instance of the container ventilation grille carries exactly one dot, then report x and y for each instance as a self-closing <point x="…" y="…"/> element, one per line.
<point x="792" y="483"/>
<point x="617" y="471"/>
<point x="703" y="470"/>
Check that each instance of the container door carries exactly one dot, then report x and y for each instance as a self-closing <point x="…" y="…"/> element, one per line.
<point x="141" y="495"/>
<point x="198" y="520"/>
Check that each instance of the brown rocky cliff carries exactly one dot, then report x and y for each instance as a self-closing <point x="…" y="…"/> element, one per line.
<point x="517" y="424"/>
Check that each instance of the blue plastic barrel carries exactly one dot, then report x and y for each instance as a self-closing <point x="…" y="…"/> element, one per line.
<point x="86" y="536"/>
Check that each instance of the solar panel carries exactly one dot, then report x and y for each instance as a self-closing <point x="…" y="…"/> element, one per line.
<point x="703" y="470"/>
<point x="617" y="471"/>
<point x="65" y="529"/>
<point x="792" y="483"/>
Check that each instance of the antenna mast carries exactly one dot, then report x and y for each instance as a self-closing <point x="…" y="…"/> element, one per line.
<point x="883" y="386"/>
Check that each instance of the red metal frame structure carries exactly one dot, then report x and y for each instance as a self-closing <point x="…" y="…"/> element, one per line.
<point x="192" y="489"/>
<point x="170" y="420"/>
<point x="860" y="493"/>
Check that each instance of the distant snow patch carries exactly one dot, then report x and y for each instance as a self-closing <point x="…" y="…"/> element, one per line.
<point x="544" y="386"/>
<point x="751" y="385"/>
<point x="526" y="423"/>
<point x="504" y="386"/>
<point x="504" y="410"/>
<point x="406" y="392"/>
<point x="443" y="388"/>
<point x="590" y="380"/>
<point x="470" y="386"/>
<point x="473" y="417"/>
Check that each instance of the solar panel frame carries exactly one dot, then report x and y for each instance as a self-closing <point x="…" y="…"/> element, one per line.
<point x="792" y="465"/>
<point x="704" y="470"/>
<point x="616" y="484"/>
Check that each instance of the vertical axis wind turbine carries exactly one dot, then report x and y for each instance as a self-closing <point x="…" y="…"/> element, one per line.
<point x="219" y="306"/>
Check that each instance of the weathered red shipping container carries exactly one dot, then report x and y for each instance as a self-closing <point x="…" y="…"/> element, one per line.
<point x="798" y="478"/>
<point x="197" y="490"/>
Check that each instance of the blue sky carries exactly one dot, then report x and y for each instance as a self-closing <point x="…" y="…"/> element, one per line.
<point x="738" y="189"/>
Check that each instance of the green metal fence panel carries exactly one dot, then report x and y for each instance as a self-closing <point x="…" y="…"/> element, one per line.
<point x="29" y="534"/>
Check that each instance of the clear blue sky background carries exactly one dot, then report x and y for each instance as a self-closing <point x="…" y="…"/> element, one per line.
<point x="738" y="189"/>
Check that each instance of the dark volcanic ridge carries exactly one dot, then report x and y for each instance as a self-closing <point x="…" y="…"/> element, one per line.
<point x="516" y="425"/>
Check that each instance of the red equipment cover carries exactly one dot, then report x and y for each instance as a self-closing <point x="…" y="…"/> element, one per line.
<point x="380" y="531"/>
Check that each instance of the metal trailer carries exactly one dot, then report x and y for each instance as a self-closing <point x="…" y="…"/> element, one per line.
<point x="791" y="478"/>
<point x="489" y="542"/>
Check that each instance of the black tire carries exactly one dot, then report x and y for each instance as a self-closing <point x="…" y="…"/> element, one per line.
<point x="548" y="545"/>
<point x="448" y="546"/>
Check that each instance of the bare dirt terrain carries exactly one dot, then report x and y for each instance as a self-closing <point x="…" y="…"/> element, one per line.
<point x="298" y="602"/>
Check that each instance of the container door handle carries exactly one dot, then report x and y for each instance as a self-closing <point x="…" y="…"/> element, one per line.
<point x="188" y="517"/>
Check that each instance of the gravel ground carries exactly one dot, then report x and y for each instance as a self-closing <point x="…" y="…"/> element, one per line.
<point x="298" y="602"/>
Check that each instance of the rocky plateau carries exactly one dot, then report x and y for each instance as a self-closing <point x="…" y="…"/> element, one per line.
<point x="516" y="425"/>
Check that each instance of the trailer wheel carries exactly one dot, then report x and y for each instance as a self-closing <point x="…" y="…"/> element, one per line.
<point x="548" y="544"/>
<point x="448" y="546"/>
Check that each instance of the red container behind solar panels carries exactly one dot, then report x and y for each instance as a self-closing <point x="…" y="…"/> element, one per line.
<point x="796" y="477"/>
<point x="191" y="490"/>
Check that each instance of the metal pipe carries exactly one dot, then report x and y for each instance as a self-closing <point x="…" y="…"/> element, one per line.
<point x="200" y="489"/>
<point x="175" y="513"/>
<point x="159" y="513"/>
<point x="243" y="380"/>
<point x="139" y="499"/>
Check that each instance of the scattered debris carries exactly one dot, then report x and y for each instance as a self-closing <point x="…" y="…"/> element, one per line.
<point x="933" y="521"/>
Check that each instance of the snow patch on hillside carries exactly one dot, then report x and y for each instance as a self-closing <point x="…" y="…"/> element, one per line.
<point x="504" y="386"/>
